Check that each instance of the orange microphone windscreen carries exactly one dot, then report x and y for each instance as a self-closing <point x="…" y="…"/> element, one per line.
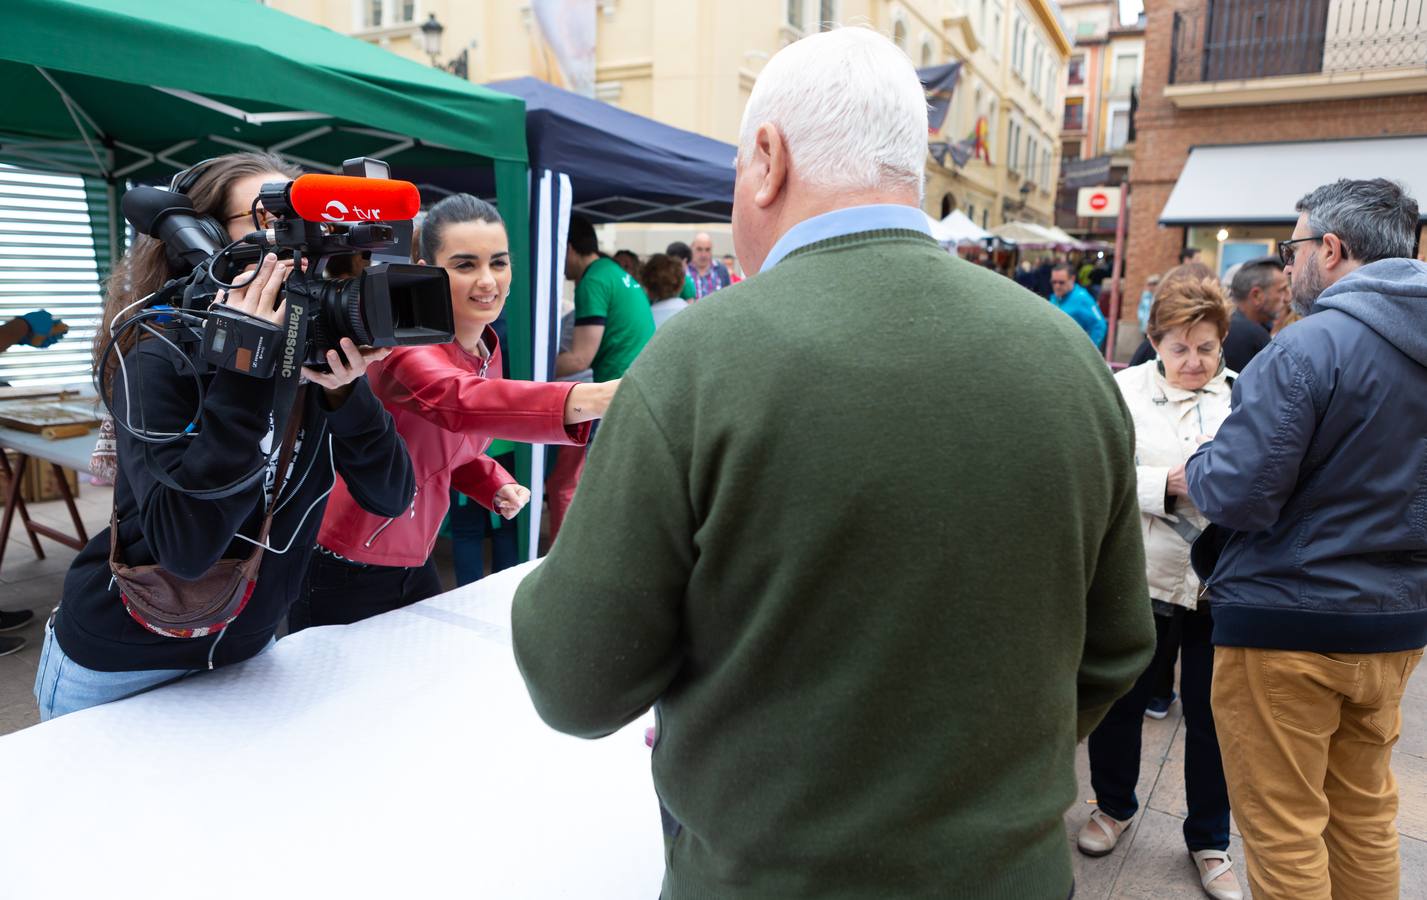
<point x="343" y="198"/>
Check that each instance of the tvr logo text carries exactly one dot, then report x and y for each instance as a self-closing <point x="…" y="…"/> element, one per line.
<point x="337" y="211"/>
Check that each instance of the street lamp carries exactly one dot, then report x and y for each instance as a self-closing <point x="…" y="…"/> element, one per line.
<point x="431" y="31"/>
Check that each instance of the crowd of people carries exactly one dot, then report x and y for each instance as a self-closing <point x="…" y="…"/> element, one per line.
<point x="875" y="524"/>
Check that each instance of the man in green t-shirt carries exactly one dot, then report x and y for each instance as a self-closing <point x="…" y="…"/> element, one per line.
<point x="612" y="317"/>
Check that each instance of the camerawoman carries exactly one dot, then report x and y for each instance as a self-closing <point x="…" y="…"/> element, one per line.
<point x="225" y="458"/>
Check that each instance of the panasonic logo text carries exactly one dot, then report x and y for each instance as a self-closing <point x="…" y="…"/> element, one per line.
<point x="289" y="350"/>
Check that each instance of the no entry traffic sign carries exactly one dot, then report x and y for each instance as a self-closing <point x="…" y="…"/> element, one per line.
<point x="1095" y="202"/>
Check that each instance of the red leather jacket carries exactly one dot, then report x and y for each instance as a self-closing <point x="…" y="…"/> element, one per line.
<point x="448" y="406"/>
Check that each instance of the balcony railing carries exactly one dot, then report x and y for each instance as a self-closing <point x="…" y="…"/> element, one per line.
<point x="1074" y="117"/>
<point x="1235" y="40"/>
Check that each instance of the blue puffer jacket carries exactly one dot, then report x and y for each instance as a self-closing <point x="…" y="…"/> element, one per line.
<point x="1320" y="473"/>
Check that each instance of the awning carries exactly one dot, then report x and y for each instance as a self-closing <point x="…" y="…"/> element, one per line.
<point x="1029" y="236"/>
<point x="960" y="228"/>
<point x="1260" y="183"/>
<point x="624" y="167"/>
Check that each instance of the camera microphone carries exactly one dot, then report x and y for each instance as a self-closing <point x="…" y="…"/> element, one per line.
<point x="344" y="199"/>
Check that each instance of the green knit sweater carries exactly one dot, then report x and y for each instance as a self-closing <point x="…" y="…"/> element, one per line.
<point x="865" y="528"/>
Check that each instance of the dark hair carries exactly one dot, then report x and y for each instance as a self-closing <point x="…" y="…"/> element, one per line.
<point x="582" y="236"/>
<point x="662" y="277"/>
<point x="628" y="260"/>
<point x="453" y="210"/>
<point x="681" y="250"/>
<point x="1065" y="267"/>
<point x="1256" y="273"/>
<point x="1375" y="219"/>
<point x="144" y="268"/>
<point x="1187" y="254"/>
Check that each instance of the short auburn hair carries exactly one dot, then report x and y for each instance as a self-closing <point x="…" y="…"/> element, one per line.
<point x="1188" y="294"/>
<point x="662" y="277"/>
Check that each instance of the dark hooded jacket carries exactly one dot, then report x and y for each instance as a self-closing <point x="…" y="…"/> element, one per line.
<point x="1318" y="479"/>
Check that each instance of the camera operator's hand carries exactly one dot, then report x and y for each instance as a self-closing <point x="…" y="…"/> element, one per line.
<point x="257" y="292"/>
<point x="337" y="383"/>
<point x="510" y="500"/>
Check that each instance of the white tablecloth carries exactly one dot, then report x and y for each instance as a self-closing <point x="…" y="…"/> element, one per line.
<point x="397" y="757"/>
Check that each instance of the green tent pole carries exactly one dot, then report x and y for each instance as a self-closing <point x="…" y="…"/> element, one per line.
<point x="116" y="226"/>
<point x="105" y="223"/>
<point x="512" y="190"/>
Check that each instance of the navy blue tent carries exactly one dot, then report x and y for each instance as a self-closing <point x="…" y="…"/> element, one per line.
<point x="624" y="167"/>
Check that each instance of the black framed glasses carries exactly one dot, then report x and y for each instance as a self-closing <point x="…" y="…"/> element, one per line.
<point x="263" y="218"/>
<point x="1286" y="250"/>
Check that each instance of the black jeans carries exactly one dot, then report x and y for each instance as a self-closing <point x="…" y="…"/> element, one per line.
<point x="1169" y="640"/>
<point x="1115" y="744"/>
<point x="338" y="592"/>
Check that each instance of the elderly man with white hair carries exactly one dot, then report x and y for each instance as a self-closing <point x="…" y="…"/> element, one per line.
<point x="874" y="588"/>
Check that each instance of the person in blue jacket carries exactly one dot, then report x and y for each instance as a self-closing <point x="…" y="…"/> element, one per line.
<point x="1317" y="576"/>
<point x="1076" y="302"/>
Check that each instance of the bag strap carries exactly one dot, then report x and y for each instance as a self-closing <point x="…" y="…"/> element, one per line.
<point x="1185" y="530"/>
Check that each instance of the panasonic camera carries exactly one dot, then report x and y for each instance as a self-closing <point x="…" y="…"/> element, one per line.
<point x="350" y="234"/>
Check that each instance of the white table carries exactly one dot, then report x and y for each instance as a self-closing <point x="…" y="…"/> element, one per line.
<point x="397" y="757"/>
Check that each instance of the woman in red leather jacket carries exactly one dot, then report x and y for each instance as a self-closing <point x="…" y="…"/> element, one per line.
<point x="449" y="402"/>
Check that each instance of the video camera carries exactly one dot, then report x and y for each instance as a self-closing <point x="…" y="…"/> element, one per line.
<point x="319" y="220"/>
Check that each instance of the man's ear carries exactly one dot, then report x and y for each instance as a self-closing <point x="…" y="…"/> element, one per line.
<point x="770" y="161"/>
<point x="1334" y="252"/>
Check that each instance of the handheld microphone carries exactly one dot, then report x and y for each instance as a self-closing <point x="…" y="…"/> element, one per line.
<point x="341" y="198"/>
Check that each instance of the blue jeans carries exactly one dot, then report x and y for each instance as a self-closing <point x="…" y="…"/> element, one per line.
<point x="1115" y="744"/>
<point x="63" y="686"/>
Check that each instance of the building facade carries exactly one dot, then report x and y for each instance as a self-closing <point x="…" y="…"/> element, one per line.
<point x="692" y="64"/>
<point x="1248" y="104"/>
<point x="1103" y="78"/>
<point x="1013" y="56"/>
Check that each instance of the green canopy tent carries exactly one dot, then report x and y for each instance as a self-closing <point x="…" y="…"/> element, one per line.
<point x="122" y="90"/>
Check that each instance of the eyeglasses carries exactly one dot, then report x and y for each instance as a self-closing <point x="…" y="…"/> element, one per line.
<point x="1286" y="250"/>
<point x="265" y="218"/>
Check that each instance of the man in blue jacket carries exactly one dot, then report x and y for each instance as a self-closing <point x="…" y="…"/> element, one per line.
<point x="1318" y="480"/>
<point x="1076" y="302"/>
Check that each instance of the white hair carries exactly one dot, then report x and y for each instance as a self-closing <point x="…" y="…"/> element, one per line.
<point x="850" y="108"/>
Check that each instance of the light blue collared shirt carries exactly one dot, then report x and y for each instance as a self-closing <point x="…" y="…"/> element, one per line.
<point x="840" y="222"/>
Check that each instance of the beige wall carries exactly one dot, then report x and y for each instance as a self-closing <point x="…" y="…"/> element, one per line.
<point x="692" y="63"/>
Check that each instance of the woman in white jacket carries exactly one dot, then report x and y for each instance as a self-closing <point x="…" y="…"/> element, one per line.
<point x="1176" y="401"/>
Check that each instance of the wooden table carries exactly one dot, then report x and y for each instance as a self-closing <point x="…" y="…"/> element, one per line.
<point x="70" y="453"/>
